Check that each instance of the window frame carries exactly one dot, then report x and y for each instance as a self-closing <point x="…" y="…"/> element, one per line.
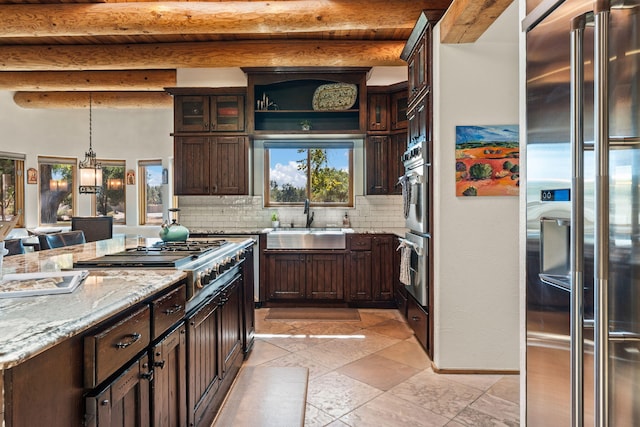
<point x="19" y="185"/>
<point x="94" y="199"/>
<point x="54" y="160"/>
<point x="142" y="194"/>
<point x="308" y="145"/>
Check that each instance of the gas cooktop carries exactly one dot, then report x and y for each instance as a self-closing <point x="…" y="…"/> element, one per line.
<point x="159" y="255"/>
<point x="186" y="246"/>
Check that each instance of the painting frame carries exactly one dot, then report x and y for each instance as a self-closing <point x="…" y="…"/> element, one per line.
<point x="487" y="160"/>
<point x="131" y="177"/>
<point x="32" y="176"/>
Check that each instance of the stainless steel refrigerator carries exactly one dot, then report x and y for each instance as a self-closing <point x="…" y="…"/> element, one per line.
<point x="583" y="210"/>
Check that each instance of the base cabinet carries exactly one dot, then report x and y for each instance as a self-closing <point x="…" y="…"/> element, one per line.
<point x="149" y="365"/>
<point x="285" y="276"/>
<point x="370" y="274"/>
<point x="204" y="370"/>
<point x="125" y="401"/>
<point x="362" y="275"/>
<point x="214" y="343"/>
<point x="325" y="277"/>
<point x="305" y="277"/>
<point x="359" y="276"/>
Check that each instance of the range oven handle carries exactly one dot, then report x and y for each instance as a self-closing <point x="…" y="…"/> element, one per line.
<point x="404" y="242"/>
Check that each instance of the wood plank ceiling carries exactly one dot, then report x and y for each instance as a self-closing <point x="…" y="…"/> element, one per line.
<point x="55" y="51"/>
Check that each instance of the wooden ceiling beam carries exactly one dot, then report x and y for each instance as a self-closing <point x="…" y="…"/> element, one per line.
<point x="293" y="53"/>
<point x="226" y="17"/>
<point x="133" y="100"/>
<point x="134" y="80"/>
<point x="466" y="20"/>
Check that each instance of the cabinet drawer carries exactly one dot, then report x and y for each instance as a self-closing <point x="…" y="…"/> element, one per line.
<point x="168" y="310"/>
<point x="360" y="243"/>
<point x="111" y="347"/>
<point x="418" y="320"/>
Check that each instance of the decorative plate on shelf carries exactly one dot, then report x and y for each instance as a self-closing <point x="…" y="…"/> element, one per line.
<point x="335" y="96"/>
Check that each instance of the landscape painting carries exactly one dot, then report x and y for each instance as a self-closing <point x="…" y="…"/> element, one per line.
<point x="487" y="160"/>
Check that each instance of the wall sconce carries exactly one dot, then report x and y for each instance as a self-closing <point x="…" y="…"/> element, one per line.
<point x="58" y="185"/>
<point x="114" y="183"/>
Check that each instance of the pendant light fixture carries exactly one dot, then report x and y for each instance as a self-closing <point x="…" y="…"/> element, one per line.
<point x="90" y="170"/>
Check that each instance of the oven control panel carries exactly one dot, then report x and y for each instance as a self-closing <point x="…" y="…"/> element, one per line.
<point x="415" y="154"/>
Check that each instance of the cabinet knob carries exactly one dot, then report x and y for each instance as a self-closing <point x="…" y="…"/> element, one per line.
<point x="105" y="402"/>
<point x="147" y="375"/>
<point x="205" y="126"/>
<point x="415" y="318"/>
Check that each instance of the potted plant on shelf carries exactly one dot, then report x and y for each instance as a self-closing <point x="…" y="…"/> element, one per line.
<point x="306" y="124"/>
<point x="275" y="222"/>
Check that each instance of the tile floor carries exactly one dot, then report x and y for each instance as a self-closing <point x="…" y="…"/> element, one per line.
<point x="372" y="372"/>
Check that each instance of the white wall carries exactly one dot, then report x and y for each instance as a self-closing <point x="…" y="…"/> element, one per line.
<point x="120" y="134"/>
<point x="476" y="238"/>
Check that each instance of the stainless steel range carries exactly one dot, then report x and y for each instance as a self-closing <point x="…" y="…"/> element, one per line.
<point x="206" y="262"/>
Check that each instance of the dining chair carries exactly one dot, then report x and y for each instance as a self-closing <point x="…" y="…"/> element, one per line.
<point x="94" y="227"/>
<point x="59" y="240"/>
<point x="14" y="246"/>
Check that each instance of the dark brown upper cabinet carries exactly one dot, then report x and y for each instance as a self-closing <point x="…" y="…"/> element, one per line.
<point x="399" y="103"/>
<point x="208" y="109"/>
<point x="378" y="112"/>
<point x="215" y="165"/>
<point x="283" y="101"/>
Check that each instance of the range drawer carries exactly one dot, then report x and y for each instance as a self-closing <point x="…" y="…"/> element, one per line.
<point x="418" y="320"/>
<point x="360" y="243"/>
<point x="168" y="310"/>
<point x="111" y="347"/>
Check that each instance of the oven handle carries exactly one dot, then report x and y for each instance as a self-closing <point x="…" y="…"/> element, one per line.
<point x="404" y="242"/>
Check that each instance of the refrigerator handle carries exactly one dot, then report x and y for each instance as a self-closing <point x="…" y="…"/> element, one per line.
<point x="601" y="217"/>
<point x="578" y="25"/>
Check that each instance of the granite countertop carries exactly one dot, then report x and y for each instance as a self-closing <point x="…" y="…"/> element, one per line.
<point x="30" y="325"/>
<point x="200" y="232"/>
<point x="236" y="231"/>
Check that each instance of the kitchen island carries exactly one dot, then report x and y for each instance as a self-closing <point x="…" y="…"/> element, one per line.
<point x="119" y="339"/>
<point x="31" y="325"/>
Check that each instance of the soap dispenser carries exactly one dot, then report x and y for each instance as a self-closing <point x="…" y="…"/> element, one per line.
<point x="345" y="221"/>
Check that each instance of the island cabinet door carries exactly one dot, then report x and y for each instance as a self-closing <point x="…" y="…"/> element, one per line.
<point x="203" y="367"/>
<point x="230" y="326"/>
<point x="123" y="402"/>
<point x="169" y="388"/>
<point x="248" y="303"/>
<point x="286" y="276"/>
<point x="325" y="276"/>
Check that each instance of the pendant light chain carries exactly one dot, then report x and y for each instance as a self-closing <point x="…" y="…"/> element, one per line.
<point x="90" y="169"/>
<point x="90" y="124"/>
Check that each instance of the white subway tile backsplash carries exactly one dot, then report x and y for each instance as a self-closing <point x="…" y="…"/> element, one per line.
<point x="248" y="212"/>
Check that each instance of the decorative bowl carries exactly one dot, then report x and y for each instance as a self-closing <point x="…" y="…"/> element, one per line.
<point x="335" y="96"/>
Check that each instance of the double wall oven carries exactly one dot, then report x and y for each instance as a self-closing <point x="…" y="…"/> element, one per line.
<point x="415" y="199"/>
